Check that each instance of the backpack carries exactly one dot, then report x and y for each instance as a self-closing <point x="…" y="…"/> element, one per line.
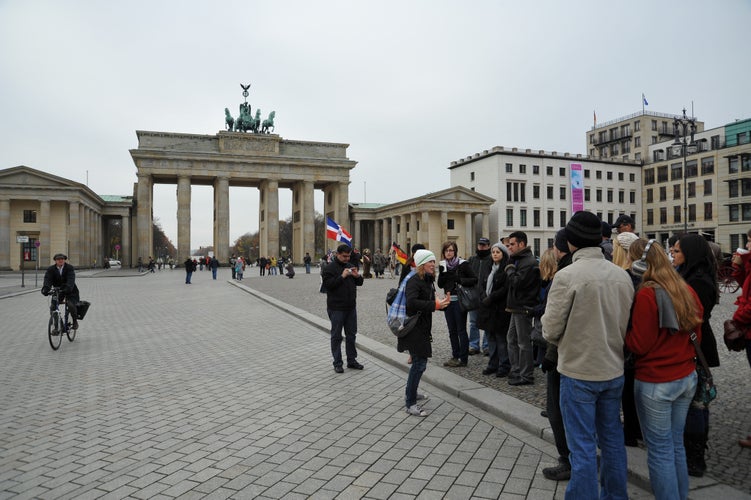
<point x="399" y="323"/>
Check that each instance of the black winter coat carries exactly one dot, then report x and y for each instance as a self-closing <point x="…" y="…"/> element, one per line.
<point x="492" y="315"/>
<point x="461" y="274"/>
<point x="65" y="281"/>
<point x="524" y="282"/>
<point x="420" y="298"/>
<point x="341" y="293"/>
<point x="704" y="286"/>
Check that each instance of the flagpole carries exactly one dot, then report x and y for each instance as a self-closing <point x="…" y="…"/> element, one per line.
<point x="642" y="103"/>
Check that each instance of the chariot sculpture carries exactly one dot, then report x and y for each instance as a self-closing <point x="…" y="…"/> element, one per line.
<point x="245" y="121"/>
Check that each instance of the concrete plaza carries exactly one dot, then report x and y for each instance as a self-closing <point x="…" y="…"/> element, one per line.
<point x="218" y="390"/>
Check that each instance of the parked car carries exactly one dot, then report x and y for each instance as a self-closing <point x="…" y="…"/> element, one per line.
<point x="114" y="264"/>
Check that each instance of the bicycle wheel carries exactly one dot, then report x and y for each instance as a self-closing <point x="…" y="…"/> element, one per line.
<point x="69" y="331"/>
<point x="54" y="330"/>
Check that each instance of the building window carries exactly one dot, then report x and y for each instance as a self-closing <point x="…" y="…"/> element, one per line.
<point x="621" y="197"/>
<point x="551" y="218"/>
<point x="522" y="169"/>
<point x="676" y="171"/>
<point x="677" y="214"/>
<point x="649" y="176"/>
<point x="563" y="193"/>
<point x="733" y="165"/>
<point x="536" y="169"/>
<point x="509" y="168"/>
<point x="632" y="177"/>
<point x="691" y="190"/>
<point x="733" y="189"/>
<point x="598" y="174"/>
<point x="549" y="190"/>
<point x="654" y="124"/>
<point x="743" y="138"/>
<point x="515" y="191"/>
<point x="586" y="194"/>
<point x="637" y="156"/>
<point x="621" y="176"/>
<point x="734" y="212"/>
<point x="692" y="213"/>
<point x="549" y="170"/>
<point x="662" y="174"/>
<point x="523" y="217"/>
<point x="30" y="216"/>
<point x="663" y="193"/>
<point x="691" y="169"/>
<point x="745" y="163"/>
<point x="707" y="187"/>
<point x="650" y="216"/>
<point x="663" y="215"/>
<point x="637" y="126"/>
<point x="536" y="217"/>
<point x="610" y="176"/>
<point x="586" y="173"/>
<point x="637" y="142"/>
<point x="610" y="196"/>
<point x="450" y="224"/>
<point x="707" y="166"/>
<point x="536" y="191"/>
<point x="471" y="176"/>
<point x="745" y="187"/>
<point x="654" y="139"/>
<point x="598" y="195"/>
<point x="632" y="197"/>
<point x="650" y="195"/>
<point x="510" y="217"/>
<point x="562" y="171"/>
<point x="708" y="211"/>
<point x="715" y="141"/>
<point x="676" y="191"/>
<point x="563" y="219"/>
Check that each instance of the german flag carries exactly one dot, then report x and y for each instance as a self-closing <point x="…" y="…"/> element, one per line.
<point x="400" y="255"/>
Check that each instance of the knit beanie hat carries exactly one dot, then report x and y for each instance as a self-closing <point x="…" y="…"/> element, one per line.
<point x="502" y="247"/>
<point x="584" y="229"/>
<point x="625" y="239"/>
<point x="607" y="230"/>
<point x="423" y="256"/>
<point x="560" y="242"/>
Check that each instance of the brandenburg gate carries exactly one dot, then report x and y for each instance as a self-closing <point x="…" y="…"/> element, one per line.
<point x="261" y="160"/>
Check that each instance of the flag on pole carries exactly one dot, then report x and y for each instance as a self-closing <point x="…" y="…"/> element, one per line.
<point x="644" y="99"/>
<point x="336" y="232"/>
<point x="595" y="113"/>
<point x="400" y="255"/>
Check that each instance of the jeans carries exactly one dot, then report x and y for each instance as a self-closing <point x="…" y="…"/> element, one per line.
<point x="456" y="320"/>
<point x="553" y="407"/>
<point x="346" y="320"/>
<point x="213" y="272"/>
<point x="307" y="268"/>
<point x="413" y="379"/>
<point x="188" y="275"/>
<point x="591" y="415"/>
<point x="520" y="347"/>
<point x="474" y="333"/>
<point x="498" y="351"/>
<point x="662" y="409"/>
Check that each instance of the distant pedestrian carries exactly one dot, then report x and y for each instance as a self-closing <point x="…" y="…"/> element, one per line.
<point x="307" y="260"/>
<point x="239" y="268"/>
<point x="214" y="264"/>
<point x="340" y="280"/>
<point x="290" y="270"/>
<point x="190" y="266"/>
<point x="420" y="296"/>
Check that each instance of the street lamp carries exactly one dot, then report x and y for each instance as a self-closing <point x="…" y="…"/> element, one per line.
<point x="682" y="127"/>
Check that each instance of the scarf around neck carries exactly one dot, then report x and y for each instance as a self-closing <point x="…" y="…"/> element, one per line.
<point x="451" y="264"/>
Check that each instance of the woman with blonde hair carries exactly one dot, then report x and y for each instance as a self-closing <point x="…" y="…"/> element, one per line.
<point x="665" y="311"/>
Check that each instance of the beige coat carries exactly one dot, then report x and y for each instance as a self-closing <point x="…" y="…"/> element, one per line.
<point x="586" y="316"/>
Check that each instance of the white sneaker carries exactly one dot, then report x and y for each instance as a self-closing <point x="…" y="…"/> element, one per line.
<point x="417" y="411"/>
<point x="422" y="397"/>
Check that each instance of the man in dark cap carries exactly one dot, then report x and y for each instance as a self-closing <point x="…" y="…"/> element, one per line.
<point x="625" y="224"/>
<point x="586" y="316"/>
<point x="481" y="264"/>
<point x="63" y="275"/>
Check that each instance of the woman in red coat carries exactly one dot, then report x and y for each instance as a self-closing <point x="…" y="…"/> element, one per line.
<point x="742" y="316"/>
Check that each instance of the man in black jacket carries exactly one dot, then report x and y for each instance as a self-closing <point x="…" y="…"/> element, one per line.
<point x="63" y="275"/>
<point x="340" y="280"/>
<point x="481" y="264"/>
<point x="523" y="295"/>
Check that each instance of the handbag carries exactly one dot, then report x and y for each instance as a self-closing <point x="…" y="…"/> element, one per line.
<point x="706" y="391"/>
<point x="469" y="297"/>
<point x="536" y="333"/>
<point x="735" y="336"/>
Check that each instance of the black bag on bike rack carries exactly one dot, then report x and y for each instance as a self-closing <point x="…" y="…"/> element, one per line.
<point x="82" y="308"/>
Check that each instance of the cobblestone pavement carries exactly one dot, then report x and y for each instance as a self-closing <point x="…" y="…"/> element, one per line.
<point x="176" y="391"/>
<point x="729" y="420"/>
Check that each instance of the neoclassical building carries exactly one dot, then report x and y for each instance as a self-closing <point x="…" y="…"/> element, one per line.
<point x="53" y="215"/>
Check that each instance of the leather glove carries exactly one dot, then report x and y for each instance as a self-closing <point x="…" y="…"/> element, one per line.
<point x="548" y="365"/>
<point x="441" y="269"/>
<point x="45" y="290"/>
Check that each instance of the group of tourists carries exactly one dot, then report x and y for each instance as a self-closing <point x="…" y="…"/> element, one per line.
<point x="615" y="321"/>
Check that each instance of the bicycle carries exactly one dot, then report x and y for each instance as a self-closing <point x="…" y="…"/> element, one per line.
<point x="59" y="322"/>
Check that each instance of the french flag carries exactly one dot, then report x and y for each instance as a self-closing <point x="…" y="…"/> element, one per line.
<point x="336" y="232"/>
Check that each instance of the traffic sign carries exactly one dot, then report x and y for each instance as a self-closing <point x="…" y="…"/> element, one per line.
<point x="22" y="239"/>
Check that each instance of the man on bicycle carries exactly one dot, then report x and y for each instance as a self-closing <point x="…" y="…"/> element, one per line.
<point x="63" y="275"/>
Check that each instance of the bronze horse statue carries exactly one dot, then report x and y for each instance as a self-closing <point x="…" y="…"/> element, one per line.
<point x="228" y="120"/>
<point x="246" y="122"/>
<point x="268" y="123"/>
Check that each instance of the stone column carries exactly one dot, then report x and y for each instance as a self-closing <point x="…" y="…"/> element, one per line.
<point x="5" y="244"/>
<point x="412" y="229"/>
<point x="143" y="221"/>
<point x="486" y="226"/>
<point x="270" y="218"/>
<point x="468" y="231"/>
<point x="424" y="235"/>
<point x="183" y="219"/>
<point x="444" y="226"/>
<point x="221" y="218"/>
<point x="394" y="235"/>
<point x="125" y="249"/>
<point x="44" y="257"/>
<point x="74" y="228"/>
<point x="308" y="243"/>
<point x="82" y="236"/>
<point x="343" y="208"/>
<point x="356" y="234"/>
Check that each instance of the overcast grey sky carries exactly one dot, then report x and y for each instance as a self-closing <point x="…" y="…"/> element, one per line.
<point x="410" y="85"/>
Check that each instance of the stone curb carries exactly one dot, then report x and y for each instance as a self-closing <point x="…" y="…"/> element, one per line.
<point x="510" y="409"/>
